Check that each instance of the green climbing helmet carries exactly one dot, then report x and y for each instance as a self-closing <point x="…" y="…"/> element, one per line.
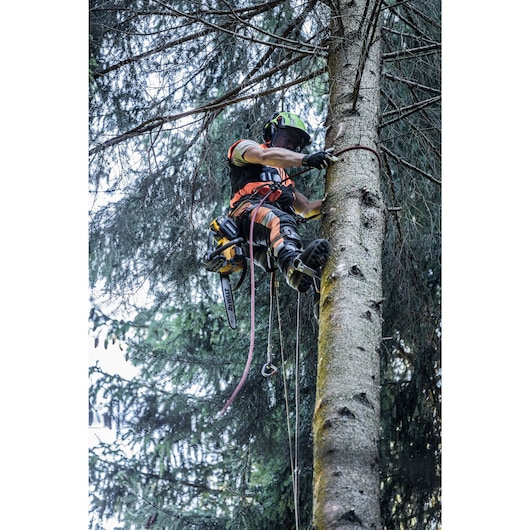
<point x="285" y="129"/>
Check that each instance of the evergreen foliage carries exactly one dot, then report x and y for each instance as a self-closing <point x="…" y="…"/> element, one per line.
<point x="411" y="360"/>
<point x="172" y="85"/>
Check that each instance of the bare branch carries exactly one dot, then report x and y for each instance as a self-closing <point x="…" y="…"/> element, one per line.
<point x="410" y="83"/>
<point x="400" y="13"/>
<point x="403" y="162"/>
<point x="407" y="111"/>
<point x="412" y="52"/>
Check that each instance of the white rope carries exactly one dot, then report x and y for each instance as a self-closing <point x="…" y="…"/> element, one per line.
<point x="297" y="413"/>
<point x="293" y="448"/>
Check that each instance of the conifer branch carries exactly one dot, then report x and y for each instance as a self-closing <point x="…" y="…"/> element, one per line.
<point x="412" y="52"/>
<point x="148" y="53"/>
<point x="197" y="35"/>
<point x="410" y="83"/>
<point x="219" y="103"/>
<point x="277" y="37"/>
<point x="403" y="162"/>
<point x="407" y="111"/>
<point x="314" y="50"/>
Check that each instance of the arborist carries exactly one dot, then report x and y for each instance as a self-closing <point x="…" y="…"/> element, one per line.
<point x="264" y="197"/>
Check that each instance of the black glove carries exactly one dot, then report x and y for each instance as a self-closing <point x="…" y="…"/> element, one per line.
<point x="320" y="160"/>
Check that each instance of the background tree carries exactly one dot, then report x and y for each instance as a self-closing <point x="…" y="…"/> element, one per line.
<point x="172" y="85"/>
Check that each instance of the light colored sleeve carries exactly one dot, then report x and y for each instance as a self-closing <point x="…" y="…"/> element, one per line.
<point x="239" y="152"/>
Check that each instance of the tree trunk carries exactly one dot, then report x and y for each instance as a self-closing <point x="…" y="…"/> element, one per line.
<point x="346" y="422"/>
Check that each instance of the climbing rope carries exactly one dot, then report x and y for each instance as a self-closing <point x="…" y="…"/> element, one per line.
<point x="296" y="471"/>
<point x="365" y="147"/>
<point x="340" y="152"/>
<point x="293" y="440"/>
<point x="252" y="308"/>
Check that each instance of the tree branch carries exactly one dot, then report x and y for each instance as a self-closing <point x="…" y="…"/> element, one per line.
<point x="199" y="34"/>
<point x="158" y="49"/>
<point x="410" y="83"/>
<point x="313" y="49"/>
<point x="407" y="111"/>
<point x="403" y="162"/>
<point x="412" y="52"/>
<point x="273" y="36"/>
<point x="219" y="103"/>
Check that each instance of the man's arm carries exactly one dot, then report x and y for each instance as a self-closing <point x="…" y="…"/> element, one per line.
<point x="304" y="207"/>
<point x="280" y="157"/>
<point x="273" y="156"/>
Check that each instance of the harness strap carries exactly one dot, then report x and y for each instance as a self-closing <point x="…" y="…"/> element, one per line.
<point x="268" y="188"/>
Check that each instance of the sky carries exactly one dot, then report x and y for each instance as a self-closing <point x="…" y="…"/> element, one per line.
<point x="44" y="256"/>
<point x="111" y="360"/>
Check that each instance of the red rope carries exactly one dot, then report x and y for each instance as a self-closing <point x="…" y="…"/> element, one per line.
<point x="349" y="148"/>
<point x="252" y="309"/>
<point x="365" y="147"/>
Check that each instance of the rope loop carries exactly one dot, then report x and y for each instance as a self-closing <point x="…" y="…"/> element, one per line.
<point x="268" y="370"/>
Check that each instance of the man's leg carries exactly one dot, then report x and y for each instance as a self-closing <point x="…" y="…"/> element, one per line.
<point x="277" y="230"/>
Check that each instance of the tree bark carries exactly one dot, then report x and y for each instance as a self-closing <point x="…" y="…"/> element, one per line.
<point x="346" y="421"/>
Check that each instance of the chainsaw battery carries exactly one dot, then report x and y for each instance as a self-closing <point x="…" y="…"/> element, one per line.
<point x="225" y="226"/>
<point x="225" y="253"/>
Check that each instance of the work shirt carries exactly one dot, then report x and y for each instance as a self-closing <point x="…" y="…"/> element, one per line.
<point x="247" y="179"/>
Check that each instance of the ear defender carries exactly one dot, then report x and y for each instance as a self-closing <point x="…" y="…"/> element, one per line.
<point x="269" y="129"/>
<point x="288" y="121"/>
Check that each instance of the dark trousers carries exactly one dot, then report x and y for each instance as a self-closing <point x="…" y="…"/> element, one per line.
<point x="274" y="232"/>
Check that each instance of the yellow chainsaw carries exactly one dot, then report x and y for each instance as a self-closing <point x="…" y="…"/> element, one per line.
<point x="226" y="255"/>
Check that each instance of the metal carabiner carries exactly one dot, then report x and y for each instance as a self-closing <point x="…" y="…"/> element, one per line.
<point x="268" y="370"/>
